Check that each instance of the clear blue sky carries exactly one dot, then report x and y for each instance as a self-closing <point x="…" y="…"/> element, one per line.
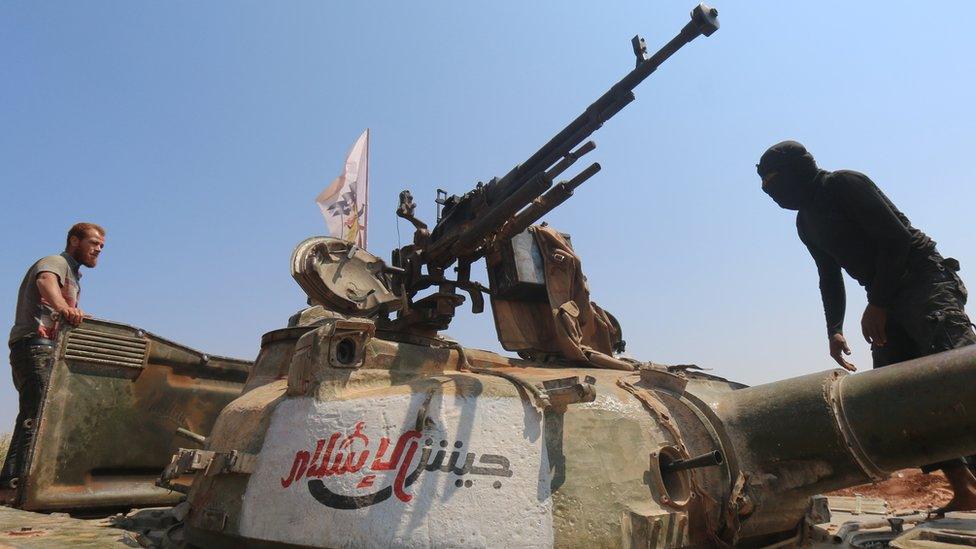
<point x="199" y="134"/>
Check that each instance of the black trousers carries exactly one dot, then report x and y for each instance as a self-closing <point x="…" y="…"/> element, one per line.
<point x="927" y="317"/>
<point x="30" y="366"/>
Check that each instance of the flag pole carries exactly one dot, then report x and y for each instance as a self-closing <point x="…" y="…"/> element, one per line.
<point x="366" y="198"/>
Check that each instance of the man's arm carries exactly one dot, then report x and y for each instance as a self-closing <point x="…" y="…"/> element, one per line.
<point x="866" y="204"/>
<point x="49" y="286"/>
<point x="831" y="285"/>
<point x="834" y="299"/>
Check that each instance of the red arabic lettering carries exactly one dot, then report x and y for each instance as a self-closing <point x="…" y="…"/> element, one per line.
<point x="401" y="474"/>
<point x="322" y="469"/>
<point x="297" y="468"/>
<point x="334" y="458"/>
<point x="351" y="466"/>
<point x="379" y="464"/>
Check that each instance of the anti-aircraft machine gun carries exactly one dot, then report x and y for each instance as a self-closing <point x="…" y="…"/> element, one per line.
<point x="487" y="217"/>
<point x="356" y="429"/>
<point x="490" y="221"/>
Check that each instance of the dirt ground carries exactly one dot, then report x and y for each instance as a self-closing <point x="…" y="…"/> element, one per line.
<point x="906" y="489"/>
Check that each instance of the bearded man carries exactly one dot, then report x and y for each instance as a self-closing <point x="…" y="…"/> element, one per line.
<point x="48" y="296"/>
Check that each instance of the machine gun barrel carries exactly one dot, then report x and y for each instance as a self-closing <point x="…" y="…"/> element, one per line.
<point x="708" y="459"/>
<point x="704" y="21"/>
<point x="496" y="217"/>
<point x="546" y="203"/>
<point x="570" y="159"/>
<point x="473" y="218"/>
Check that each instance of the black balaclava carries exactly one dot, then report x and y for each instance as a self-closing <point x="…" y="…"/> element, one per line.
<point x="795" y="183"/>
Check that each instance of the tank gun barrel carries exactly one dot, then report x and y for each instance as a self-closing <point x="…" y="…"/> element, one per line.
<point x="830" y="430"/>
<point x="916" y="413"/>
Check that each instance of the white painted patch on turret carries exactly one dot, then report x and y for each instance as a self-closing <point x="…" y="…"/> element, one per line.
<point x="357" y="474"/>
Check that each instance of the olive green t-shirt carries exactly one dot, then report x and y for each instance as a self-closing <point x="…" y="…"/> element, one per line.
<point x="33" y="316"/>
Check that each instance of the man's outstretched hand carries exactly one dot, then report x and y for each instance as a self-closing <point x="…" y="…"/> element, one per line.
<point x="873" y="325"/>
<point x="839" y="348"/>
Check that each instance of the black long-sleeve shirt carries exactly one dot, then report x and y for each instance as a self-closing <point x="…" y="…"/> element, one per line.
<point x="851" y="225"/>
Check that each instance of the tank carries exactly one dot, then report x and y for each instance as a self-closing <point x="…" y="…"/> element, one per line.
<point x="362" y="425"/>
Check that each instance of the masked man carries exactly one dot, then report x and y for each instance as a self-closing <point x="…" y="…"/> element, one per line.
<point x="915" y="296"/>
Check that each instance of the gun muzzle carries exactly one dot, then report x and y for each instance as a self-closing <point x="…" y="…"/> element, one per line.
<point x="707" y="459"/>
<point x="704" y="19"/>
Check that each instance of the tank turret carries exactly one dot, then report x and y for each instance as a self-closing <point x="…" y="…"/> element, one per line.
<point x="375" y="442"/>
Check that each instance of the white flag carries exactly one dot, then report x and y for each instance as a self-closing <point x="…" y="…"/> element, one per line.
<point x="344" y="201"/>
